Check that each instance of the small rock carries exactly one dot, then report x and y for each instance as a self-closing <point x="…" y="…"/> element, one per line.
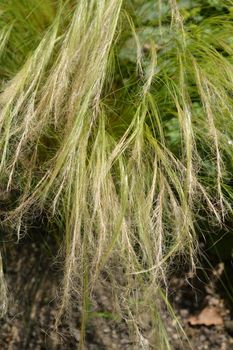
<point x="106" y="330"/>
<point x="184" y="312"/>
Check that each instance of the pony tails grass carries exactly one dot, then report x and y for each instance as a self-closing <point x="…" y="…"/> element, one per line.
<point x="121" y="135"/>
<point x="3" y="291"/>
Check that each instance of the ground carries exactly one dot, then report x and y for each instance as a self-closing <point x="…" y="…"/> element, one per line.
<point x="201" y="303"/>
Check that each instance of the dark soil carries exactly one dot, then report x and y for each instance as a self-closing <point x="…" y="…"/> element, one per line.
<point x="191" y="296"/>
<point x="33" y="283"/>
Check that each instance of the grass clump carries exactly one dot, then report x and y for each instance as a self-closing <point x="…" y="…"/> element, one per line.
<point x="117" y="122"/>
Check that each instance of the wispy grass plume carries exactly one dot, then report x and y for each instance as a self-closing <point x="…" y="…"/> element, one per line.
<point x="121" y="132"/>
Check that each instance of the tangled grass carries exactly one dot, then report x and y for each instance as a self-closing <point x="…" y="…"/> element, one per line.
<point x="121" y="132"/>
